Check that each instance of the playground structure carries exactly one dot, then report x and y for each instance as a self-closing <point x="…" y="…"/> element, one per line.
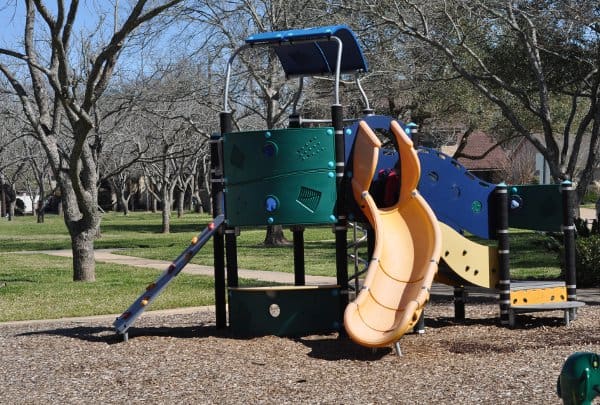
<point x="464" y="203"/>
<point x="579" y="379"/>
<point x="302" y="175"/>
<point x="396" y="287"/>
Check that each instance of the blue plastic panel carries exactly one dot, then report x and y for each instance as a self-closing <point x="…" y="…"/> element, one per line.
<point x="458" y="198"/>
<point x="318" y="55"/>
<point x="375" y="122"/>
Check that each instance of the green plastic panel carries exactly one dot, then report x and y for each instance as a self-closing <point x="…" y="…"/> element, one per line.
<point x="284" y="311"/>
<point x="280" y="177"/>
<point x="579" y="379"/>
<point x="535" y="207"/>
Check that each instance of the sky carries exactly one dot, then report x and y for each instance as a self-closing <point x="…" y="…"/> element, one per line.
<point x="88" y="20"/>
<point x="12" y="18"/>
<point x="11" y="27"/>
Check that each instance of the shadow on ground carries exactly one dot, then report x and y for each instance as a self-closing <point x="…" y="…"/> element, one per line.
<point x="341" y="348"/>
<point x="101" y="334"/>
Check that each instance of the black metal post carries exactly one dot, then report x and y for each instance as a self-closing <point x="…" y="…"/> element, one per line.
<point x="230" y="232"/>
<point x="420" y="325"/>
<point x="294" y="121"/>
<point x="568" y="228"/>
<point x="216" y="166"/>
<point x="370" y="241"/>
<point x="298" y="230"/>
<point x="341" y="227"/>
<point x="459" y="304"/>
<point x="298" y="233"/>
<point x="231" y="255"/>
<point x="503" y="251"/>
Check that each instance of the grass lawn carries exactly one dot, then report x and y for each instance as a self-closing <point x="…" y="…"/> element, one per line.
<point x="530" y="257"/>
<point x="34" y="286"/>
<point x="38" y="286"/>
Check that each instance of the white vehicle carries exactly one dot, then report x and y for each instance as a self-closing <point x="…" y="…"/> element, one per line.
<point x="28" y="203"/>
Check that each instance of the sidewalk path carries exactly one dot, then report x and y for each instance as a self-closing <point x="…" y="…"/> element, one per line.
<point x="107" y="256"/>
<point x="587" y="213"/>
<point x="588" y="295"/>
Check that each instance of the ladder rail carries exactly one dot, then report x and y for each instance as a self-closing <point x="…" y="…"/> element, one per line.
<point x="153" y="290"/>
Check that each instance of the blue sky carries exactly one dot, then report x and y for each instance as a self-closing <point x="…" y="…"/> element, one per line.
<point x="89" y="27"/>
<point x="12" y="22"/>
<point x="12" y="16"/>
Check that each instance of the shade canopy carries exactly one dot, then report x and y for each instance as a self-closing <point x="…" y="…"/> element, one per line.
<point x="313" y="51"/>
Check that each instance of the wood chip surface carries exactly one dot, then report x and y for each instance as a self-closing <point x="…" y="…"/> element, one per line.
<point x="183" y="359"/>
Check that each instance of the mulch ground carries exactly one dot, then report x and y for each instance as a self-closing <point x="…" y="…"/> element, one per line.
<point x="182" y="358"/>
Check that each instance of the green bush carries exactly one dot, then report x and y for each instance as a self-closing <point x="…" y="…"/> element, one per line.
<point x="590" y="197"/>
<point x="588" y="261"/>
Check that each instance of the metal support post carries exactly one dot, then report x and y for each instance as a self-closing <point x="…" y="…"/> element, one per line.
<point x="299" y="267"/>
<point x="341" y="227"/>
<point x="459" y="304"/>
<point x="216" y="166"/>
<point x="501" y="194"/>
<point x="568" y="228"/>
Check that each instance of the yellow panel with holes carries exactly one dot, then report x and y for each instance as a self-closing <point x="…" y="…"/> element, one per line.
<point x="477" y="264"/>
<point x="538" y="296"/>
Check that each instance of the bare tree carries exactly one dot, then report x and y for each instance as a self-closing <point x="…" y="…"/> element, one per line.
<point x="174" y="152"/>
<point x="537" y="62"/>
<point x="38" y="175"/>
<point x="58" y="94"/>
<point x="13" y="157"/>
<point x="260" y="94"/>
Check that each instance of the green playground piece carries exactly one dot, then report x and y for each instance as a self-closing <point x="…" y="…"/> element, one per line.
<point x="284" y="311"/>
<point x="579" y="380"/>
<point x="279" y="177"/>
<point x="535" y="207"/>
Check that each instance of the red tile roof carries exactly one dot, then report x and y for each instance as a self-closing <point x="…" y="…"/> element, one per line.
<point x="479" y="143"/>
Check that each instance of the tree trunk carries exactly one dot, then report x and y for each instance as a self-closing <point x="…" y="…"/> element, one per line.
<point x="84" y="265"/>
<point x="124" y="203"/>
<point x="11" y="209"/>
<point x="40" y="205"/>
<point x="82" y="219"/>
<point x="2" y="198"/>
<point x="113" y="199"/>
<point x="166" y="211"/>
<point x="83" y="230"/>
<point x="196" y="202"/>
<point x="275" y="236"/>
<point x="40" y="212"/>
<point x="180" y="203"/>
<point x="154" y="204"/>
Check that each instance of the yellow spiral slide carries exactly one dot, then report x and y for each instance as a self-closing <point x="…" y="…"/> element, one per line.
<point x="407" y="247"/>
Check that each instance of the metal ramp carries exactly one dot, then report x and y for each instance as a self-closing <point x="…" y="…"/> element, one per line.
<point x="153" y="290"/>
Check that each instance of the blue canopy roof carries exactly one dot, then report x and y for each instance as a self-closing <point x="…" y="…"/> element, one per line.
<point x="311" y="51"/>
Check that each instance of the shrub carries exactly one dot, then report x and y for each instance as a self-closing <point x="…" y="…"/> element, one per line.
<point x="588" y="261"/>
<point x="590" y="197"/>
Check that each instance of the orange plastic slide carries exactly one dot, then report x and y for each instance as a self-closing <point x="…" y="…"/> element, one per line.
<point x="407" y="247"/>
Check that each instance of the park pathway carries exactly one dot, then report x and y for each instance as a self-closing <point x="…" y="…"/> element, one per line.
<point x="109" y="256"/>
<point x="588" y="295"/>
